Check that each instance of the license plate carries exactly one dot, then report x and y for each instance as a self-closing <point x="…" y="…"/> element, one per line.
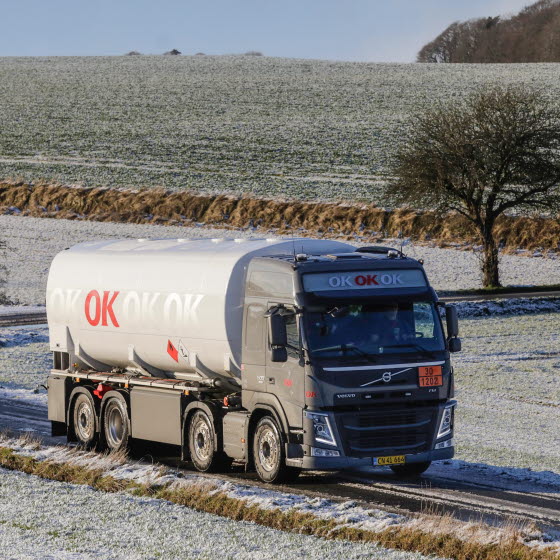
<point x="390" y="460"/>
<point x="430" y="376"/>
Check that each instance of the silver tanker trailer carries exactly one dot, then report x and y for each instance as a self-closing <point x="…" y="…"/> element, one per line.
<point x="280" y="354"/>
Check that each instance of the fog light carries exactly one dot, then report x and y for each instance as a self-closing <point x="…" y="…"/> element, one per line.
<point x="318" y="452"/>
<point x="445" y="444"/>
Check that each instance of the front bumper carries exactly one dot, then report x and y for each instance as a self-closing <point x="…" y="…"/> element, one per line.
<point x="361" y="435"/>
<point x="337" y="463"/>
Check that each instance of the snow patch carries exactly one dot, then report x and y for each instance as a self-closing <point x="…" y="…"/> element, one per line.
<point x="518" y="306"/>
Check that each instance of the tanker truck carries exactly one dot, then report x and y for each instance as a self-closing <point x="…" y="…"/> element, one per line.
<point x="279" y="354"/>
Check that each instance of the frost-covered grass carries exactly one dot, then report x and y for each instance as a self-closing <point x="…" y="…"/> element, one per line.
<point x="426" y="533"/>
<point x="33" y="242"/>
<point x="42" y="519"/>
<point x="265" y="126"/>
<point x="508" y="388"/>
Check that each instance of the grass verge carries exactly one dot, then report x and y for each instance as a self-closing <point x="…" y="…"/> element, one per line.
<point x="204" y="499"/>
<point x="368" y="222"/>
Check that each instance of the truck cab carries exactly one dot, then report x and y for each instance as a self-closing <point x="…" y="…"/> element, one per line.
<point x="351" y="353"/>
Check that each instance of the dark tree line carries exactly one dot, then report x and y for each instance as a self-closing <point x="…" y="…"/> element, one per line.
<point x="533" y="35"/>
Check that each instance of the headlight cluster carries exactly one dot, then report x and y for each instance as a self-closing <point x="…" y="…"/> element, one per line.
<point x="446" y="424"/>
<point x="321" y="428"/>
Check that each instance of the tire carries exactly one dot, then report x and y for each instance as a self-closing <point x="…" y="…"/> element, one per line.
<point x="202" y="444"/>
<point x="269" y="456"/>
<point x="84" y="420"/>
<point x="412" y="469"/>
<point x="116" y="423"/>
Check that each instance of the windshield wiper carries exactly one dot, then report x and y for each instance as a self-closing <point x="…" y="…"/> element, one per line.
<point x="413" y="345"/>
<point x="345" y="348"/>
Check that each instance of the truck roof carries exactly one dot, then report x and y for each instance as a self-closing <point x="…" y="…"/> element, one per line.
<point x="213" y="247"/>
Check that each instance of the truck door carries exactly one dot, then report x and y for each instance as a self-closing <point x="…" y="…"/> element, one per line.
<point x="286" y="379"/>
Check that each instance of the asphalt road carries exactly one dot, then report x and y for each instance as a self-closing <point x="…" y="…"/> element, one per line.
<point x="468" y="495"/>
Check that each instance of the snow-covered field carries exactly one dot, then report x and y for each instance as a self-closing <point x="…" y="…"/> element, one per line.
<point x="33" y="242"/>
<point x="508" y="388"/>
<point x="42" y="519"/>
<point x="265" y="126"/>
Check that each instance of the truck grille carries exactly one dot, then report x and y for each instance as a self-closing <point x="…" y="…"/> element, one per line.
<point x="387" y="431"/>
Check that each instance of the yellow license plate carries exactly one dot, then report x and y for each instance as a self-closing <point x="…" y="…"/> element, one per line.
<point x="390" y="460"/>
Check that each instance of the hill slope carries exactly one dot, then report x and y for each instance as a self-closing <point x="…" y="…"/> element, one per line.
<point x="265" y="127"/>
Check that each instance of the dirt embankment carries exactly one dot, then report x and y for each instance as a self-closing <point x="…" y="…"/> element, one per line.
<point x="174" y="208"/>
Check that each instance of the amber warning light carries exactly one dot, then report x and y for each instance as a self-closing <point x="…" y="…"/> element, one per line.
<point x="430" y="376"/>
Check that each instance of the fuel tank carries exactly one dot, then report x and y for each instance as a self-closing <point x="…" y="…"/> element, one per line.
<point x="165" y="307"/>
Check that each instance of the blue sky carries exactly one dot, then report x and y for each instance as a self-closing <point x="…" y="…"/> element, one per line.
<point x="363" y="30"/>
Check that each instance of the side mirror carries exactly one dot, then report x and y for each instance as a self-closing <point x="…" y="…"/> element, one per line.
<point x="452" y="320"/>
<point x="454" y="344"/>
<point x="277" y="333"/>
<point x="277" y="336"/>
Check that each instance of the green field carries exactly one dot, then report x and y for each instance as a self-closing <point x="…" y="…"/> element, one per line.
<point x="264" y="126"/>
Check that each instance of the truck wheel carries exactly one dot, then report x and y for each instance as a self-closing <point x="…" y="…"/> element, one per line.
<point x="84" y="420"/>
<point x="202" y="444"/>
<point x="268" y="453"/>
<point x="412" y="469"/>
<point x="116" y="424"/>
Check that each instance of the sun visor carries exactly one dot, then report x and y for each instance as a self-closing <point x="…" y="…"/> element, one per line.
<point x="407" y="295"/>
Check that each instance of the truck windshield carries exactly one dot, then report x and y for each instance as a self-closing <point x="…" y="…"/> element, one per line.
<point x="370" y="330"/>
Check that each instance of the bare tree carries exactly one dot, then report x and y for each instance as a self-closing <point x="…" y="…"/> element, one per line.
<point x="498" y="151"/>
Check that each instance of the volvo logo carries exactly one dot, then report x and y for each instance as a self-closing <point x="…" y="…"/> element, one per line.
<point x="386" y="377"/>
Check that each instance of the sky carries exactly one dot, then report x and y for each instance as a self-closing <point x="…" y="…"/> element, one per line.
<point x="355" y="30"/>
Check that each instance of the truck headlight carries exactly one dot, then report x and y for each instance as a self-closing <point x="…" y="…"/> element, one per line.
<point x="446" y="424"/>
<point x="322" y="430"/>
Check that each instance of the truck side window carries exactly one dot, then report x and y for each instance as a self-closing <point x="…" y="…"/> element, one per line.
<point x="293" y="335"/>
<point x="423" y="320"/>
<point x="254" y="327"/>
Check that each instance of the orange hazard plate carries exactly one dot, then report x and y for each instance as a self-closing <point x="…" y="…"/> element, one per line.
<point x="430" y="376"/>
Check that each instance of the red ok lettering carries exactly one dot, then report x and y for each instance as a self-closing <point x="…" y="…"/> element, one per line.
<point x="102" y="308"/>
<point x="368" y="279"/>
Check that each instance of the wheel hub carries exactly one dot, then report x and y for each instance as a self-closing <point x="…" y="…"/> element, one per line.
<point x="116" y="426"/>
<point x="269" y="450"/>
<point x="85" y="421"/>
<point x="202" y="445"/>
